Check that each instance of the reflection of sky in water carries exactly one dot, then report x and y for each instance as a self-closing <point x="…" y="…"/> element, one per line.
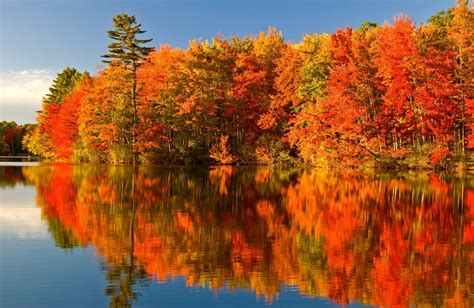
<point x="19" y="215"/>
<point x="21" y="196"/>
<point x="22" y="222"/>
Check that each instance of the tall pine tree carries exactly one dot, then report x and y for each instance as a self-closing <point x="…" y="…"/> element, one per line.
<point x="129" y="51"/>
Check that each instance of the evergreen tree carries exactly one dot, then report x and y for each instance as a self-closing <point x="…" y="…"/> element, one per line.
<point x="128" y="50"/>
<point x="63" y="84"/>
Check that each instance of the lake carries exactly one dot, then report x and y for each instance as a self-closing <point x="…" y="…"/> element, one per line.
<point x="96" y="235"/>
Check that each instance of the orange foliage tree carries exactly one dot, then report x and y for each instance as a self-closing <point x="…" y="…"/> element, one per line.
<point x="395" y="93"/>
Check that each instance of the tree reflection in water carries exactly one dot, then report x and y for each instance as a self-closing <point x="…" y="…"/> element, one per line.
<point x="374" y="238"/>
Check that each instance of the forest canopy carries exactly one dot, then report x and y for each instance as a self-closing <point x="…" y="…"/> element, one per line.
<point x="396" y="93"/>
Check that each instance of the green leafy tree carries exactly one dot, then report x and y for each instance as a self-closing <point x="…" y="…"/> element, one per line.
<point x="62" y="85"/>
<point x="442" y="19"/>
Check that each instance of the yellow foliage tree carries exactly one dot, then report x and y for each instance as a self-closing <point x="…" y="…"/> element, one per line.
<point x="221" y="152"/>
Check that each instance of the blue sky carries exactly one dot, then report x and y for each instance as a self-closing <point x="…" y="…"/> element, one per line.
<point x="38" y="38"/>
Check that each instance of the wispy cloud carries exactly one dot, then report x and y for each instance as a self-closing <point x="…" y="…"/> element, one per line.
<point x="24" y="87"/>
<point x="21" y="93"/>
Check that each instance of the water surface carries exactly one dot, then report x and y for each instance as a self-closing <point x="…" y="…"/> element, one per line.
<point x="94" y="235"/>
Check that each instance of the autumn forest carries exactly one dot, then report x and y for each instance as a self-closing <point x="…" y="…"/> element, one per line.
<point x="397" y="94"/>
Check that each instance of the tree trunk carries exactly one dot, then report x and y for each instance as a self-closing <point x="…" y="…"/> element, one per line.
<point x="134" y="104"/>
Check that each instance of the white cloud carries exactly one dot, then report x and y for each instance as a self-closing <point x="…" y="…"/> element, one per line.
<point x="21" y="93"/>
<point x="24" y="88"/>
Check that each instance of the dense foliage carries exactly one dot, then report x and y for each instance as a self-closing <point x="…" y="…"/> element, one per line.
<point x="11" y="135"/>
<point x="394" y="93"/>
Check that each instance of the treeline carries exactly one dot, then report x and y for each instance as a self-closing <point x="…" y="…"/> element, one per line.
<point x="393" y="93"/>
<point x="11" y="135"/>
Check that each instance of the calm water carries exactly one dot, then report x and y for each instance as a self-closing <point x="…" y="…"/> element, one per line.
<point x="89" y="235"/>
